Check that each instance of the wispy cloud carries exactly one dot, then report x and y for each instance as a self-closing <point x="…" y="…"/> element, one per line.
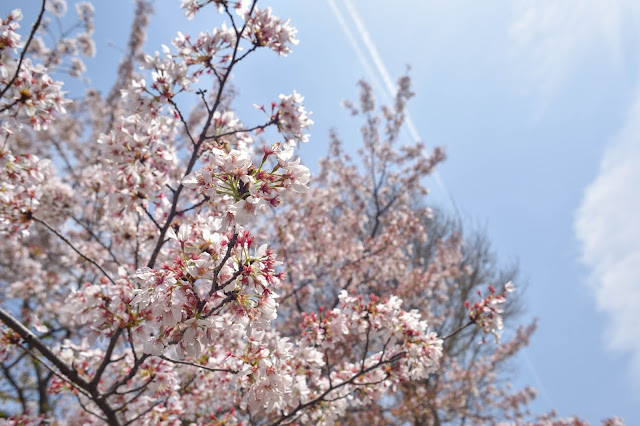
<point x="608" y="226"/>
<point x="550" y="42"/>
<point x="549" y="39"/>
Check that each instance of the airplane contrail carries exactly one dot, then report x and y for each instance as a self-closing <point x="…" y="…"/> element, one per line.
<point x="388" y="87"/>
<point x="359" y="53"/>
<point x="377" y="60"/>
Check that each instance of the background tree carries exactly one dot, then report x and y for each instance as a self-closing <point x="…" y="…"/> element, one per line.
<point x="357" y="211"/>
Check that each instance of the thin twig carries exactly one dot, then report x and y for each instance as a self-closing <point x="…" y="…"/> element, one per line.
<point x="184" y="122"/>
<point x="230" y="246"/>
<point x="84" y="256"/>
<point x="204" y="367"/>
<point x="458" y="330"/>
<point x="150" y="216"/>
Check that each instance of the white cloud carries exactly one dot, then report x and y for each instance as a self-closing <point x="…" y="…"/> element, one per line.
<point x="608" y="227"/>
<point x="550" y="41"/>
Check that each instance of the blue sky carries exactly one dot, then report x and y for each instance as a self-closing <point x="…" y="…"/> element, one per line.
<point x="537" y="104"/>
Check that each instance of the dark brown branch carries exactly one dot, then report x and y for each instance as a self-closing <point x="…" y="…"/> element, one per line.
<point x="124" y="380"/>
<point x="230" y="246"/>
<point x="18" y="389"/>
<point x="95" y="237"/>
<point x="252" y="129"/>
<point x="68" y="374"/>
<point x="150" y="216"/>
<point x="458" y="330"/>
<point x="195" y="206"/>
<point x="107" y="358"/>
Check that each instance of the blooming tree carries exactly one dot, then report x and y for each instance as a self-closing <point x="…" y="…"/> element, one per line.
<point x="165" y="263"/>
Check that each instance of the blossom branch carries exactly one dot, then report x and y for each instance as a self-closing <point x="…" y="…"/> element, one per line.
<point x="96" y="238"/>
<point x="458" y="330"/>
<point x="195" y="206"/>
<point x="196" y="149"/>
<point x="230" y="245"/>
<point x="331" y="389"/>
<point x="41" y="362"/>
<point x="252" y="129"/>
<point x="23" y="53"/>
<point x="14" y="385"/>
<point x="125" y="379"/>
<point x="150" y="216"/>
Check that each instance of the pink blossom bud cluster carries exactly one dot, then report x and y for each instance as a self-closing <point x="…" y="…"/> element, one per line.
<point x="487" y="312"/>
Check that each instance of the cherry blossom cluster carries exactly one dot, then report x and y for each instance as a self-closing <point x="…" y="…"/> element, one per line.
<point x="399" y="334"/>
<point x="191" y="7"/>
<point x="9" y="37"/>
<point x="216" y="272"/>
<point x="486" y="313"/>
<point x="140" y="161"/>
<point x="261" y="27"/>
<point x="228" y="131"/>
<point x="202" y="51"/>
<point x="248" y="187"/>
<point x="265" y="29"/>
<point x="28" y="183"/>
<point x="34" y="95"/>
<point x="291" y="117"/>
<point x="169" y="76"/>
